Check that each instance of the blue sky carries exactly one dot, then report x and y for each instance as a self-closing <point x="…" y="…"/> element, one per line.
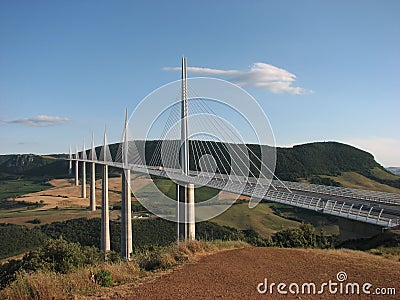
<point x="73" y="66"/>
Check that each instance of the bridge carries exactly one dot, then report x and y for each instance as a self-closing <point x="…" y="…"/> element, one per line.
<point x="192" y="163"/>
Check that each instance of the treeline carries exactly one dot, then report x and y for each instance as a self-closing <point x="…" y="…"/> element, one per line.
<point x="146" y="234"/>
<point x="16" y="239"/>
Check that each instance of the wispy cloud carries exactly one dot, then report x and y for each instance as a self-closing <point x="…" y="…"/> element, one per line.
<point x="259" y="75"/>
<point x="40" y="121"/>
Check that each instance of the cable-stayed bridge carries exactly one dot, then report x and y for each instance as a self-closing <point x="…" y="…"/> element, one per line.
<point x="209" y="152"/>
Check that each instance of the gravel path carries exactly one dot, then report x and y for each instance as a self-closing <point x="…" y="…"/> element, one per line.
<point x="235" y="274"/>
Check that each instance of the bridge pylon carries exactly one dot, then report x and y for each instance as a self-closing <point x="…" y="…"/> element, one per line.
<point x="83" y="190"/>
<point x="92" y="195"/>
<point x="185" y="213"/>
<point x="105" y="212"/>
<point x="126" y="210"/>
<point x="76" y="167"/>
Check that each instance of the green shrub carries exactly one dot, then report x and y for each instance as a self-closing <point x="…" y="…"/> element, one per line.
<point x="104" y="278"/>
<point x="302" y="237"/>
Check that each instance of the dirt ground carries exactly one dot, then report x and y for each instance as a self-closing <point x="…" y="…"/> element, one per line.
<point x="235" y="274"/>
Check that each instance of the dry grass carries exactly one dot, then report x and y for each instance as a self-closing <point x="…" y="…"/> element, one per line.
<point x="45" y="284"/>
<point x="358" y="181"/>
<point x="67" y="198"/>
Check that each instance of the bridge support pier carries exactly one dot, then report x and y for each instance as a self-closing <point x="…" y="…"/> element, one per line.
<point x="180" y="212"/>
<point x="76" y="172"/>
<point x="105" y="214"/>
<point x="185" y="212"/>
<point x="191" y="224"/>
<point x="126" y="216"/>
<point x="83" y="191"/>
<point x="93" y="187"/>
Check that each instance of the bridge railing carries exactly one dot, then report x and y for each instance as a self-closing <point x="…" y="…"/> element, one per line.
<point x="238" y="184"/>
<point x="374" y="196"/>
<point x="259" y="188"/>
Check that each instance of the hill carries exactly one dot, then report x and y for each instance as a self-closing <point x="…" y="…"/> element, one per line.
<point x="320" y="162"/>
<point x="15" y="166"/>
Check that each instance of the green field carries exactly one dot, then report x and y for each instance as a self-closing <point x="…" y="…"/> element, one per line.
<point x="261" y="219"/>
<point x="268" y="218"/>
<point x="265" y="218"/>
<point x="168" y="188"/>
<point x="15" y="188"/>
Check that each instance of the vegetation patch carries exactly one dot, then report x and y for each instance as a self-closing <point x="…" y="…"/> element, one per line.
<point x="15" y="188"/>
<point x="49" y="282"/>
<point x="18" y="239"/>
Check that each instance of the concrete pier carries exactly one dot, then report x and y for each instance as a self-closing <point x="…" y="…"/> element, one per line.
<point x="180" y="212"/>
<point x="83" y="179"/>
<point x="126" y="217"/>
<point x="191" y="224"/>
<point x="105" y="213"/>
<point x="76" y="173"/>
<point x="93" y="187"/>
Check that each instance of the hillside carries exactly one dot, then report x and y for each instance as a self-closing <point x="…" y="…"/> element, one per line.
<point x="32" y="166"/>
<point x="311" y="162"/>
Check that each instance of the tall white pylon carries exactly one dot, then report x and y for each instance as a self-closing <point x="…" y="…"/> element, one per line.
<point x="83" y="191"/>
<point x="185" y="192"/>
<point x="126" y="212"/>
<point x="93" y="177"/>
<point x="76" y="166"/>
<point x="105" y="213"/>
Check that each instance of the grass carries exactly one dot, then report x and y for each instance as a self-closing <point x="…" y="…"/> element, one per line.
<point x="358" y="181"/>
<point x="50" y="216"/>
<point x="383" y="174"/>
<point x="27" y="213"/>
<point x="15" y="188"/>
<point x="261" y="219"/>
<point x="168" y="188"/>
<point x="49" y="285"/>
<point x="268" y="218"/>
<point x="392" y="253"/>
<point x="327" y="224"/>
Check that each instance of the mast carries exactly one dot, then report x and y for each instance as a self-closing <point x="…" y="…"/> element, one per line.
<point x="184" y="122"/>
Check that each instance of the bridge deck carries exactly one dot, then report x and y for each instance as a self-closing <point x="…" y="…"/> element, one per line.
<point x="379" y="208"/>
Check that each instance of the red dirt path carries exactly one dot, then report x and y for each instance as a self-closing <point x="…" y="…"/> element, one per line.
<point x="234" y="274"/>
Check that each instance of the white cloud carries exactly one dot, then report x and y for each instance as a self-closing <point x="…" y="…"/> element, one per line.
<point x="41" y="121"/>
<point x="385" y="150"/>
<point x="260" y="75"/>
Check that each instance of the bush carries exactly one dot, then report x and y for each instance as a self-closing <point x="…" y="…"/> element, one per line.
<point x="34" y="221"/>
<point x="104" y="278"/>
<point x="58" y="256"/>
<point x="302" y="237"/>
